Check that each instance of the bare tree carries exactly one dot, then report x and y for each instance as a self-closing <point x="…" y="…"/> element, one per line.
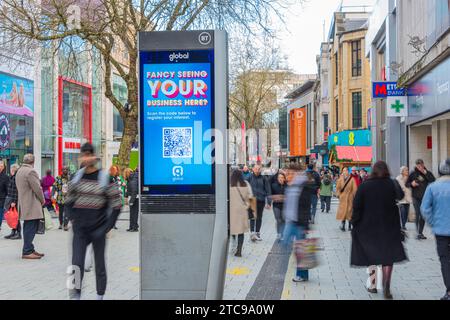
<point x="111" y="26"/>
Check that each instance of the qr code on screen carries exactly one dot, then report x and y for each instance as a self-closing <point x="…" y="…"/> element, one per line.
<point x="177" y="142"/>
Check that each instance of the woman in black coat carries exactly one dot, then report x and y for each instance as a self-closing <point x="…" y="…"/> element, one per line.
<point x="377" y="237"/>
<point x="277" y="188"/>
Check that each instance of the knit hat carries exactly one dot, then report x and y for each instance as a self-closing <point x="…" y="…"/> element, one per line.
<point x="444" y="168"/>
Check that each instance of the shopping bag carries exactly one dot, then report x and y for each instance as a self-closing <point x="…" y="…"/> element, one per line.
<point x="48" y="220"/>
<point x="41" y="227"/>
<point x="306" y="253"/>
<point x="12" y="218"/>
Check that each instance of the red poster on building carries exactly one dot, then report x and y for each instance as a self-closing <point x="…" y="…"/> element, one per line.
<point x="297" y="134"/>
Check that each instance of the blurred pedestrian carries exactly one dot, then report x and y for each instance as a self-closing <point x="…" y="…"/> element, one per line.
<point x="277" y="188"/>
<point x="133" y="194"/>
<point x="435" y="210"/>
<point x="346" y="188"/>
<point x="377" y="237"/>
<point x="418" y="181"/>
<point x="46" y="184"/>
<point x="59" y="193"/>
<point x="315" y="196"/>
<point x="11" y="202"/>
<point x="114" y="173"/>
<point x="246" y="172"/>
<point x="261" y="190"/>
<point x="405" y="203"/>
<point x="363" y="175"/>
<point x="4" y="183"/>
<point x="31" y="200"/>
<point x="326" y="191"/>
<point x="297" y="210"/>
<point x="94" y="203"/>
<point x="240" y="195"/>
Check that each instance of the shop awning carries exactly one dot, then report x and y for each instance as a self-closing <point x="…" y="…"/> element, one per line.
<point x="355" y="154"/>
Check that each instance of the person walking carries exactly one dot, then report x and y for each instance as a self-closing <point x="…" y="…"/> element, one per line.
<point x="418" y="181"/>
<point x="363" y="175"/>
<point x="94" y="203"/>
<point x="326" y="192"/>
<point x="435" y="210"/>
<point x="276" y="199"/>
<point x="47" y="184"/>
<point x="261" y="190"/>
<point x="133" y="192"/>
<point x="346" y="188"/>
<point x="405" y="203"/>
<point x="297" y="211"/>
<point x="246" y="172"/>
<point x="4" y="183"/>
<point x="11" y="202"/>
<point x="315" y="196"/>
<point x="31" y="201"/>
<point x="59" y="193"/>
<point x="115" y="179"/>
<point x="240" y="195"/>
<point x="376" y="234"/>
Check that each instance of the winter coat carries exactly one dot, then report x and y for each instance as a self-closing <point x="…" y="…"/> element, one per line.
<point x="13" y="196"/>
<point x="435" y="206"/>
<point x="4" y="183"/>
<point x="260" y="187"/>
<point x="239" y="222"/>
<point x="31" y="197"/>
<point x="423" y="181"/>
<point x="407" y="191"/>
<point x="326" y="190"/>
<point x="376" y="234"/>
<point x="345" y="198"/>
<point x="304" y="205"/>
<point x="133" y="188"/>
<point x="46" y="183"/>
<point x="277" y="189"/>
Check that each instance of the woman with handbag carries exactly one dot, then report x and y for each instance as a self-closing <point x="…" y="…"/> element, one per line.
<point x="377" y="237"/>
<point x="11" y="202"/>
<point x="346" y="189"/>
<point x="240" y="198"/>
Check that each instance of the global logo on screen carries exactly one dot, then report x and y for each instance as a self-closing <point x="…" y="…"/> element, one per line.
<point x="5" y="132"/>
<point x="179" y="56"/>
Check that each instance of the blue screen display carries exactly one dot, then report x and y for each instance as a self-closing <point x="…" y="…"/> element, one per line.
<point x="177" y="107"/>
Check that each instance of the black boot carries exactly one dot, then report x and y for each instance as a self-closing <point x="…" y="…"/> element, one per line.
<point x="343" y="226"/>
<point x="350" y="226"/>
<point x="239" y="250"/>
<point x="12" y="234"/>
<point x="17" y="236"/>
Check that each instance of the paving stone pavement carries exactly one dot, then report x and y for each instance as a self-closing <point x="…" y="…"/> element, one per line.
<point x="418" y="279"/>
<point x="46" y="278"/>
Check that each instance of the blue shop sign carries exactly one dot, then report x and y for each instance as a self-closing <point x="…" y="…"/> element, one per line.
<point x="357" y="138"/>
<point x="387" y="89"/>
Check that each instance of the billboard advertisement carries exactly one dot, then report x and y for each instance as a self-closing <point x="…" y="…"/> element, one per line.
<point x="177" y="107"/>
<point x="16" y="95"/>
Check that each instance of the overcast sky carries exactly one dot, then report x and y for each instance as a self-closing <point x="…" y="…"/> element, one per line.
<point x="301" y="41"/>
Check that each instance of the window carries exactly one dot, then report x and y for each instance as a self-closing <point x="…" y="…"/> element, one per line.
<point x="336" y="68"/>
<point x="356" y="59"/>
<point x="325" y="123"/>
<point x="337" y="115"/>
<point x="357" y="109"/>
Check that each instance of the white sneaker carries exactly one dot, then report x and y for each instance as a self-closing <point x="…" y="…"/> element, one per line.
<point x="258" y="237"/>
<point x="298" y="279"/>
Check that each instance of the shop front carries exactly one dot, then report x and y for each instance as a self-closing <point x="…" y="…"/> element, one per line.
<point x="74" y="121"/>
<point x="352" y="148"/>
<point x="16" y="118"/>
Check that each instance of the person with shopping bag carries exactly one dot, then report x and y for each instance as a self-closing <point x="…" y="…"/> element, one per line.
<point x="297" y="209"/>
<point x="4" y="182"/>
<point x="11" y="203"/>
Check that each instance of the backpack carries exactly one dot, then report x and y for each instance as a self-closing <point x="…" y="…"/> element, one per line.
<point x="326" y="180"/>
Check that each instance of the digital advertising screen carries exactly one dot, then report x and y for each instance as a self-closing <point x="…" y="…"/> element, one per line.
<point x="177" y="114"/>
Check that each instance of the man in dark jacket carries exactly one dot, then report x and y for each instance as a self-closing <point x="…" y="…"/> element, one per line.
<point x="4" y="183"/>
<point x="261" y="190"/>
<point x="132" y="192"/>
<point x="315" y="195"/>
<point x="418" y="181"/>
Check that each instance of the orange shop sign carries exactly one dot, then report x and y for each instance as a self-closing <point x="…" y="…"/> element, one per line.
<point x="297" y="134"/>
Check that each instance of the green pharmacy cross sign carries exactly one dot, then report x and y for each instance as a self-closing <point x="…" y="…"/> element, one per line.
<point x="397" y="106"/>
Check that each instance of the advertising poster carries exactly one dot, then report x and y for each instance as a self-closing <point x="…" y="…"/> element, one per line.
<point x="176" y="116"/>
<point x="16" y="95"/>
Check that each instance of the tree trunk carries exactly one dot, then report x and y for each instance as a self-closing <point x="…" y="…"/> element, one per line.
<point x="129" y="136"/>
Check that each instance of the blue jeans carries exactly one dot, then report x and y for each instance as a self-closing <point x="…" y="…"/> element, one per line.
<point x="30" y="227"/>
<point x="404" y="210"/>
<point x="314" y="201"/>
<point x="294" y="232"/>
<point x="2" y="211"/>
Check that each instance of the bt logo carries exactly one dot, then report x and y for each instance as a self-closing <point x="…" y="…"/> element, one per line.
<point x="177" y="171"/>
<point x="178" y="56"/>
